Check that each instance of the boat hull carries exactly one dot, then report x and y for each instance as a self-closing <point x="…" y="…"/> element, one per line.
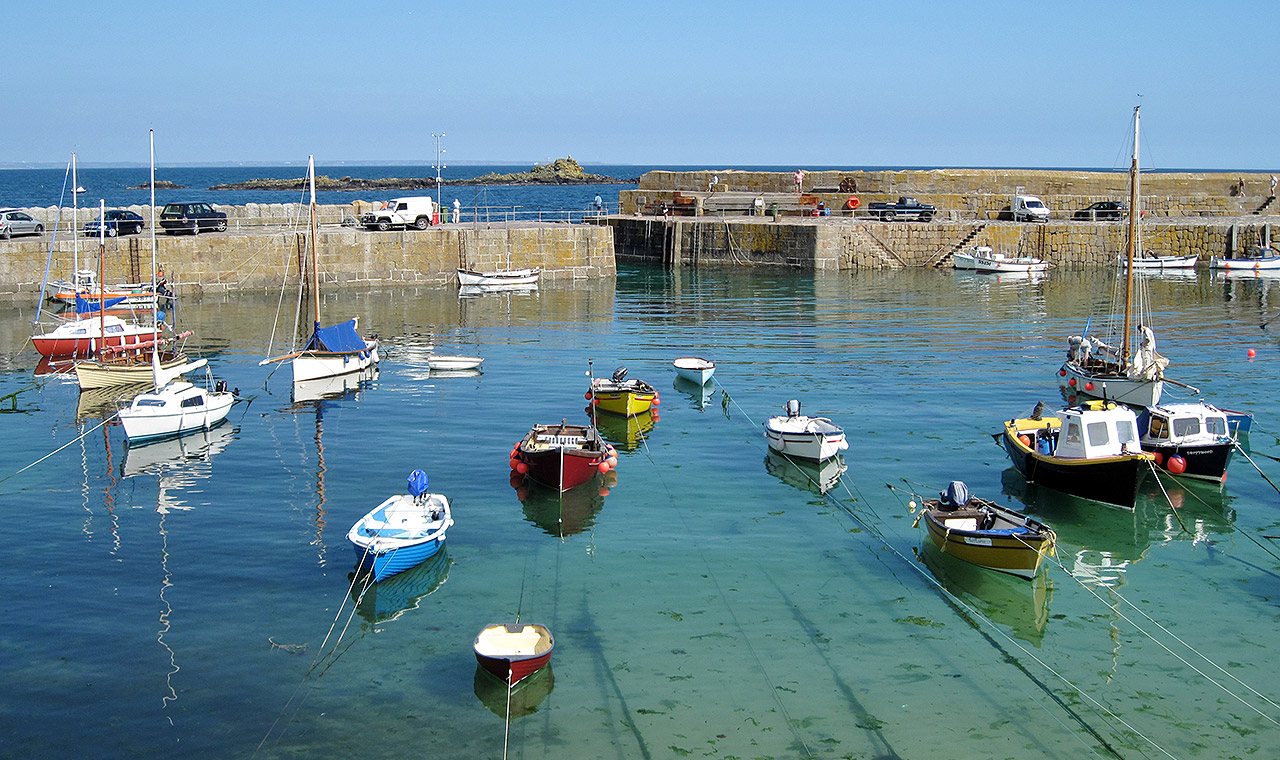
<point x="83" y="337"/>
<point x="316" y="365"/>
<point x="561" y="456"/>
<point x="1245" y="265"/>
<point x="383" y="565"/>
<point x="514" y="651"/>
<point x="442" y="362"/>
<point x="1204" y="461"/>
<point x="501" y="277"/>
<point x="1110" y="480"/>
<point x="1018" y="549"/>
<point x="812" y="438"/>
<point x="627" y="398"/>
<point x="384" y="550"/>
<point x="694" y="369"/>
<point x="1160" y="263"/>
<point x="1075" y="380"/>
<point x="91" y="375"/>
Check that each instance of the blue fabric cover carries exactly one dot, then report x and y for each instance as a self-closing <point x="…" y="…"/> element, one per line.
<point x="417" y="483"/>
<point x="956" y="495"/>
<point x="1008" y="531"/>
<point x="87" y="306"/>
<point x="341" y="338"/>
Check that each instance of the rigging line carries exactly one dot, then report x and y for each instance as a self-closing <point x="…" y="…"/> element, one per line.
<point x="315" y="662"/>
<point x="1176" y="656"/>
<point x="60" y="448"/>
<point x="1245" y="454"/>
<point x="773" y="689"/>
<point x="1174" y="510"/>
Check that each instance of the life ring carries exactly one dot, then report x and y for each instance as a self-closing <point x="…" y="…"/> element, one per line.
<point x="852" y="203"/>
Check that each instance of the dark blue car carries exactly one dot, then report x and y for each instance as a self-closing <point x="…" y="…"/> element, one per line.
<point x="118" y="221"/>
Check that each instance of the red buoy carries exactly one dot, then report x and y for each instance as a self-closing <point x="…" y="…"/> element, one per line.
<point x="1159" y="458"/>
<point x="656" y="401"/>
<point x="522" y="468"/>
<point x="1177" y="465"/>
<point x="1062" y="373"/>
<point x="1252" y="353"/>
<point x="1072" y="382"/>
<point x="587" y="395"/>
<point x="1088" y="386"/>
<point x="603" y="467"/>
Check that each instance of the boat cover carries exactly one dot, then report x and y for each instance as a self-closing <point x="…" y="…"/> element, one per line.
<point x="341" y="338"/>
<point x="956" y="495"/>
<point x="88" y="306"/>
<point x="417" y="482"/>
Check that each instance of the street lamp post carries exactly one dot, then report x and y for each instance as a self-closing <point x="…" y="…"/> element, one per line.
<point x="438" y="166"/>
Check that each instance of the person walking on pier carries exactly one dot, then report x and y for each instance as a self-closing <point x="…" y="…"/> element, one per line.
<point x="1273" y="185"/>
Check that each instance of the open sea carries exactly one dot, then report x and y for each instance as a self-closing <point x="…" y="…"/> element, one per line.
<point x="196" y="598"/>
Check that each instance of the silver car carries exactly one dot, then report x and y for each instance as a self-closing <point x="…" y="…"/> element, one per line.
<point x="15" y="222"/>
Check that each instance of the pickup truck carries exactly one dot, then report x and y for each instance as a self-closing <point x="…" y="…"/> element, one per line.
<point x="906" y="208"/>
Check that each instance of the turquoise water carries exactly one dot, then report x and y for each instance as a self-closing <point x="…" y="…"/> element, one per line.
<point x="195" y="597"/>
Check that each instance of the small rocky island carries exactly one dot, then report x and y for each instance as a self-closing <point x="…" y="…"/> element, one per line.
<point x="562" y="171"/>
<point x="161" y="184"/>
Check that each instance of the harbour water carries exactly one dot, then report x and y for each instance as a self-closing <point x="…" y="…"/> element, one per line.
<point x="196" y="597"/>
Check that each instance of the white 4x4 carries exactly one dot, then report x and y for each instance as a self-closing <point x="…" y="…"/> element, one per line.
<point x="416" y="212"/>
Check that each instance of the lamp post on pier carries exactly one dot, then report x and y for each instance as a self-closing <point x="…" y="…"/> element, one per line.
<point x="438" y="166"/>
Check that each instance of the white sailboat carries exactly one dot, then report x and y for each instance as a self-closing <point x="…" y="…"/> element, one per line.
<point x="1097" y="368"/>
<point x="174" y="406"/>
<point x="331" y="351"/>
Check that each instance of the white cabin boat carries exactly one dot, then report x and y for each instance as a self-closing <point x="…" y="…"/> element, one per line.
<point x="797" y="435"/>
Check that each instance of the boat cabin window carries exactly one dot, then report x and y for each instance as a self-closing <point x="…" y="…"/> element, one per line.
<point x="1159" y="428"/>
<point x="1186" y="426"/>
<point x="115" y="328"/>
<point x="1073" y="432"/>
<point x="192" y="401"/>
<point x="1098" y="434"/>
<point x="150" y="402"/>
<point x="1215" y="425"/>
<point x="1126" y="433"/>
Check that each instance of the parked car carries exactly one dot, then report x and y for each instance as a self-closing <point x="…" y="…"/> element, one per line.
<point x="191" y="217"/>
<point x="415" y="211"/>
<point x="906" y="208"/>
<point x="1102" y="211"/>
<point x="1028" y="208"/>
<point x="119" y="222"/>
<point x="15" y="222"/>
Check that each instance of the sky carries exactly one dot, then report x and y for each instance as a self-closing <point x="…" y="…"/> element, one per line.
<point x="705" y="84"/>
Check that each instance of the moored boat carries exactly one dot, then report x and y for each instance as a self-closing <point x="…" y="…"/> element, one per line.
<point x="447" y="362"/>
<point x="986" y="534"/>
<point x="1160" y="263"/>
<point x="983" y="259"/>
<point x="617" y="395"/>
<point x="1091" y="451"/>
<point x="174" y="408"/>
<point x="133" y="370"/>
<point x="402" y="531"/>
<point x="563" y="456"/>
<point x="514" y="651"/>
<point x="695" y="369"/>
<point x="798" y="435"/>
<point x="84" y="336"/>
<point x="1256" y="258"/>
<point x="1188" y="439"/>
<point x="499" y="277"/>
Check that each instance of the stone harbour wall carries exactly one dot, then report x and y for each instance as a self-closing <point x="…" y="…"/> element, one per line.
<point x="827" y="243"/>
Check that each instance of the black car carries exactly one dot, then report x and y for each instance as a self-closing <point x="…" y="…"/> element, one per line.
<point x="191" y="217"/>
<point x="1102" y="211"/>
<point x="119" y="222"/>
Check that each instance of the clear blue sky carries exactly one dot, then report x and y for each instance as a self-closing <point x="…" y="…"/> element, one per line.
<point x="710" y="84"/>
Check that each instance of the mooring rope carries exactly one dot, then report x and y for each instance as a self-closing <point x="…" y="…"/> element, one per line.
<point x="60" y="448"/>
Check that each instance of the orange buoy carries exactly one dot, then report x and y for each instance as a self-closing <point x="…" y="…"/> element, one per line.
<point x="852" y="203"/>
<point x="522" y="468"/>
<point x="1062" y="373"/>
<point x="1159" y="455"/>
<point x="587" y="395"/>
<point x="1025" y="440"/>
<point x="603" y="467"/>
<point x="1252" y="353"/>
<point x="1177" y="465"/>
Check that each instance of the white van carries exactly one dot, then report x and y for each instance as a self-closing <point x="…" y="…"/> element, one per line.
<point x="1028" y="208"/>
<point x="416" y="211"/>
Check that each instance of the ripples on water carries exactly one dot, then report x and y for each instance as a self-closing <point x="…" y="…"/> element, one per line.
<point x="713" y="603"/>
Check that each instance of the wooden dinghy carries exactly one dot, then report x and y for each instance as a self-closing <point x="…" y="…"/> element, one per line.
<point x="514" y="651"/>
<point x="986" y="534"/>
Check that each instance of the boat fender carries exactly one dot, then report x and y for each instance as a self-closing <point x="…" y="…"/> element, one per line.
<point x="1177" y="465"/>
<point x="587" y="395"/>
<point x="852" y="203"/>
<point x="1025" y="440"/>
<point x="603" y="467"/>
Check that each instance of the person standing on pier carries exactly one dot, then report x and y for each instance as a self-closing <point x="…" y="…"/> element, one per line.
<point x="599" y="204"/>
<point x="457" y="210"/>
<point x="799" y="179"/>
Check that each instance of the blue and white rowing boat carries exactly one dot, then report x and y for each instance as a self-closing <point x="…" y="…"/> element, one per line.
<point x="402" y="531"/>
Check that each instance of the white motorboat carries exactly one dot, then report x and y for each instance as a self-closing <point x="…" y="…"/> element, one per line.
<point x="797" y="435"/>
<point x="983" y="259"/>
<point x="1257" y="258"/>
<point x="695" y="369"/>
<point x="446" y="362"/>
<point x="1160" y="263"/>
<point x="177" y="408"/>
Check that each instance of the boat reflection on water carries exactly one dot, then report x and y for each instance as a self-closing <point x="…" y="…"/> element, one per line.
<point x="627" y="433"/>
<point x="438" y="373"/>
<point x="818" y="477"/>
<point x="563" y="514"/>
<point x="185" y="454"/>
<point x="526" y="695"/>
<point x="1013" y="603"/>
<point x="984" y="279"/>
<point x="57" y="366"/>
<point x="476" y="291"/>
<point x="96" y="403"/>
<point x="388" y="599"/>
<point x="699" y="395"/>
<point x="332" y="387"/>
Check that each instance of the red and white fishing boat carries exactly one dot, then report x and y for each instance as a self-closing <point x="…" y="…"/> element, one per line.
<point x="85" y="336"/>
<point x="563" y="456"/>
<point x="514" y="651"/>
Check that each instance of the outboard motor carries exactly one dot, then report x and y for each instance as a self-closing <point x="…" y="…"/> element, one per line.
<point x="793" y="408"/>
<point x="417" y="484"/>
<point x="619" y="374"/>
<point x="956" y="496"/>
<point x="220" y="386"/>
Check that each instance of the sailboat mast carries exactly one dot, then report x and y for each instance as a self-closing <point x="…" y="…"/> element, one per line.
<point x="315" y="268"/>
<point x="155" y="316"/>
<point x="1131" y="242"/>
<point x="75" y="238"/>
